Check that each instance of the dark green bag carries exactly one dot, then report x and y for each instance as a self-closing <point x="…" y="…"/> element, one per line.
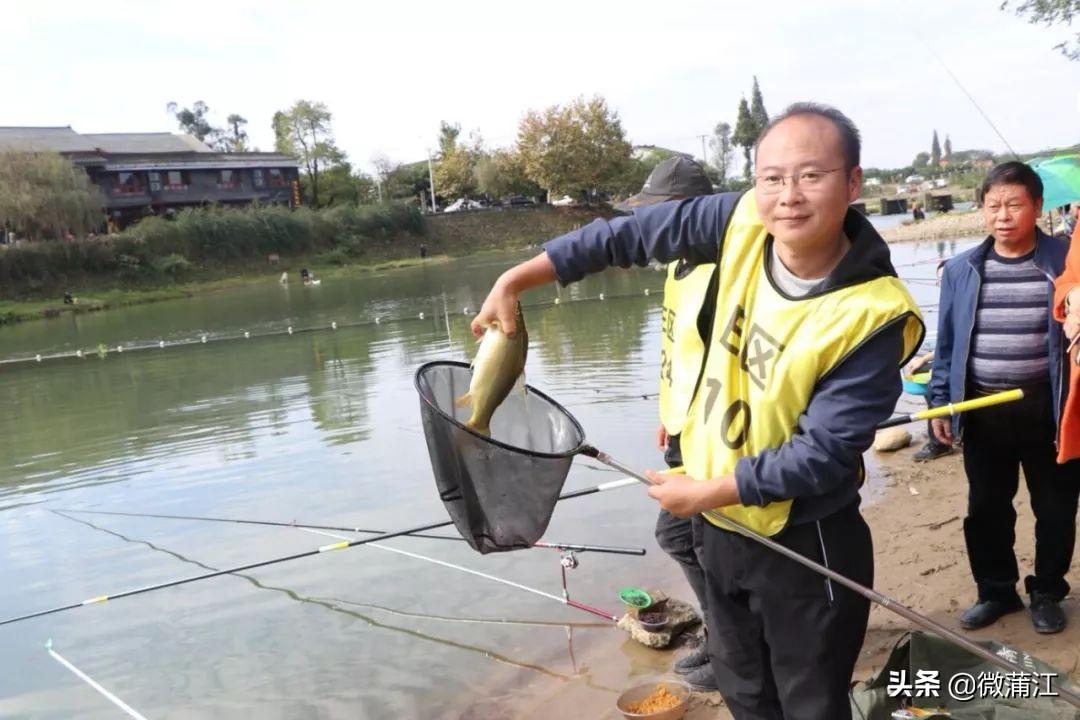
<point x="1012" y="699"/>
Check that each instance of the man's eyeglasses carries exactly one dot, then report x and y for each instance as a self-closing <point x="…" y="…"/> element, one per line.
<point x="807" y="180"/>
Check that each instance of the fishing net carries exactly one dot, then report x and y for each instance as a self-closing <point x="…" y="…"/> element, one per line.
<point x="500" y="490"/>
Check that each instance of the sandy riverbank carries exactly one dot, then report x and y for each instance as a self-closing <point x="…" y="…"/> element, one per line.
<point x="939" y="227"/>
<point x="920" y="561"/>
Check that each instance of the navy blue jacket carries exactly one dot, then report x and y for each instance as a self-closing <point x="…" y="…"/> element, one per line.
<point x="961" y="283"/>
<point x="820" y="468"/>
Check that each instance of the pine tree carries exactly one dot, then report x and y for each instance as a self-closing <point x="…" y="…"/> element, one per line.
<point x="745" y="134"/>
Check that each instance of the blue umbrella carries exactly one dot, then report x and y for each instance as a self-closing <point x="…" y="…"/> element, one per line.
<point x="1061" y="179"/>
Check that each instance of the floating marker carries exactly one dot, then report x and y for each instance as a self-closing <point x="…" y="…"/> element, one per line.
<point x="333" y="325"/>
<point x="421" y="316"/>
<point x="203" y="339"/>
<point x="119" y="348"/>
<point x="38" y="358"/>
<point x="78" y="353"/>
<point x="376" y="319"/>
<point x="465" y="311"/>
<point x="601" y="296"/>
<point x="556" y="301"/>
<point x="161" y="344"/>
<point x="646" y="292"/>
<point x="247" y="334"/>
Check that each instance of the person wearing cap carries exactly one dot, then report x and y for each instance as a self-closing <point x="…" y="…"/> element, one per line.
<point x="810" y="329"/>
<point x="686" y="317"/>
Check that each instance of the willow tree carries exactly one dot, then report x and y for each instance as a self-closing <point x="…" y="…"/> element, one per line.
<point x="42" y="195"/>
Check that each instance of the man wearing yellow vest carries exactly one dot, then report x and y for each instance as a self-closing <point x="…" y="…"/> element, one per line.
<point x="811" y="328"/>
<point x="686" y="318"/>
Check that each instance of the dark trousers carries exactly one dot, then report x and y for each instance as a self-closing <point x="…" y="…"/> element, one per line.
<point x="998" y="441"/>
<point x="681" y="537"/>
<point x="783" y="640"/>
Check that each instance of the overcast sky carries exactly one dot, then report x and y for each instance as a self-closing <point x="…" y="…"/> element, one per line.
<point x="390" y="71"/>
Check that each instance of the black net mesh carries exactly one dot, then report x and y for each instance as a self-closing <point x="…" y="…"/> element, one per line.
<point x="500" y="491"/>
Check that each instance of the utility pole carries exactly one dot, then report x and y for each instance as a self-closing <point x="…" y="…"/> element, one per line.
<point x="704" y="157"/>
<point x="431" y="179"/>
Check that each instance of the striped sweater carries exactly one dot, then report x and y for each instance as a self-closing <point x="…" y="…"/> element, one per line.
<point x="1009" y="343"/>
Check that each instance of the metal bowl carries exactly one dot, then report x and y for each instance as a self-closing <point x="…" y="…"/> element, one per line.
<point x="639" y="692"/>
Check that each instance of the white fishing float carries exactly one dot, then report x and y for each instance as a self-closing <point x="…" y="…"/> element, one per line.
<point x="601" y="296"/>
<point x="421" y="316"/>
<point x="247" y="334"/>
<point x="161" y="344"/>
<point x="290" y="329"/>
<point x="78" y="353"/>
<point x="333" y="324"/>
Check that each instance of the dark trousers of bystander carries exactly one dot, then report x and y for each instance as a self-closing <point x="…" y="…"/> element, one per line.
<point x="998" y="442"/>
<point x="680" y="537"/>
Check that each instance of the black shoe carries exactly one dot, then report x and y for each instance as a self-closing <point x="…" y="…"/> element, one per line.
<point x="1046" y="614"/>
<point x="694" y="659"/>
<point x="931" y="451"/>
<point x="702" y="679"/>
<point x="987" y="612"/>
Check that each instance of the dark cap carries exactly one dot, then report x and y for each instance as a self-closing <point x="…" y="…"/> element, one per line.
<point x="676" y="177"/>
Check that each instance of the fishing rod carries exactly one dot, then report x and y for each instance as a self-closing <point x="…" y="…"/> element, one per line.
<point x="343" y="545"/>
<point x="870" y="594"/>
<point x="567" y="561"/>
<point x="576" y="547"/>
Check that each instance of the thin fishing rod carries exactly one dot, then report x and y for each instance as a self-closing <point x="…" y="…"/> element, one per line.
<point x="868" y="593"/>
<point x="576" y="547"/>
<point x="296" y="556"/>
<point x="969" y="95"/>
<point x="563" y="600"/>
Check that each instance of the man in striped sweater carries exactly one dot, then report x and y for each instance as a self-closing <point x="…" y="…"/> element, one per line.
<point x="996" y="331"/>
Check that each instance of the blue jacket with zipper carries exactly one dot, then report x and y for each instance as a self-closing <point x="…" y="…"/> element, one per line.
<point x="961" y="284"/>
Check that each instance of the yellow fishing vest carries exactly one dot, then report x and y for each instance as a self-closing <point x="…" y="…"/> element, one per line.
<point x="682" y="349"/>
<point x="767" y="354"/>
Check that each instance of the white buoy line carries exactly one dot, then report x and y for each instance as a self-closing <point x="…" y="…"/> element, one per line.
<point x="102" y="350"/>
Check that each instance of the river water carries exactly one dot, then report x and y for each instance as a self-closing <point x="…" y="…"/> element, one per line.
<point x="318" y="426"/>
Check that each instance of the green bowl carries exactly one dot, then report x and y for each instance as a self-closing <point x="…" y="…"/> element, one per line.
<point x="635" y="598"/>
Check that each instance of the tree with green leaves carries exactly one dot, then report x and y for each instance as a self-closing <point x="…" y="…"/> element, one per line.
<point x="304" y="132"/>
<point x="448" y="135"/>
<point x="502" y="173"/>
<point x="575" y="148"/>
<point x="194" y="120"/>
<point x="1051" y="13"/>
<point x="42" y="195"/>
<point x="235" y="139"/>
<point x="948" y="149"/>
<point x="935" y="152"/>
<point x="757" y="110"/>
<point x="922" y="160"/>
<point x="745" y="135"/>
<point x="722" y="149"/>
<point x="455" y="172"/>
